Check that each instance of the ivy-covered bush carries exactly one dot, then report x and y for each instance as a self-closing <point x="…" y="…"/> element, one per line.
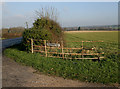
<point x="52" y="26"/>
<point x="43" y="29"/>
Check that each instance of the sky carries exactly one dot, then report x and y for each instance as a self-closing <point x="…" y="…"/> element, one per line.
<point x="70" y="14"/>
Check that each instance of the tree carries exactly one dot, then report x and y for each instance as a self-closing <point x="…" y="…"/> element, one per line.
<point x="47" y="12"/>
<point x="45" y="27"/>
<point x="78" y="28"/>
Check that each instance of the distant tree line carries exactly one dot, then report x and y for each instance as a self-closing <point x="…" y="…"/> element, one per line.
<point x="112" y="28"/>
<point x="78" y="28"/>
<point x="12" y="32"/>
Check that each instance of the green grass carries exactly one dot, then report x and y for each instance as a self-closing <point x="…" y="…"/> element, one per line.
<point x="110" y="44"/>
<point x="103" y="71"/>
<point x="105" y="36"/>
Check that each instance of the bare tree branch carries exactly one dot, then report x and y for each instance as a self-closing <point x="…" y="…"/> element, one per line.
<point x="47" y="12"/>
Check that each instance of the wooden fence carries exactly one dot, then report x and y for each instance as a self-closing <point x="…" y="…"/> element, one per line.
<point x="65" y="52"/>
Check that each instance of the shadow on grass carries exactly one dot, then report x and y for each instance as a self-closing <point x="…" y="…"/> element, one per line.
<point x="18" y="47"/>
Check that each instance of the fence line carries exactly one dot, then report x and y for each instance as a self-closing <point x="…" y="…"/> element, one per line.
<point x="45" y="49"/>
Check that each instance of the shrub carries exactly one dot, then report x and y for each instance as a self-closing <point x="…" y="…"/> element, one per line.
<point x="52" y="26"/>
<point x="43" y="29"/>
<point x="42" y="34"/>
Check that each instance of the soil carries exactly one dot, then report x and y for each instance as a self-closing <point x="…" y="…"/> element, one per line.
<point x="17" y="75"/>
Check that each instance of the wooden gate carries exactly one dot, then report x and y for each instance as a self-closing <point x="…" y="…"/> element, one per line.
<point x="58" y="50"/>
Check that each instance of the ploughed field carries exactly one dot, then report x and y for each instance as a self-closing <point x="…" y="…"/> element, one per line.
<point x="103" y="71"/>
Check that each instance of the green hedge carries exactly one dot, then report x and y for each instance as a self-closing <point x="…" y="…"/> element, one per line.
<point x="42" y="34"/>
<point x="43" y="29"/>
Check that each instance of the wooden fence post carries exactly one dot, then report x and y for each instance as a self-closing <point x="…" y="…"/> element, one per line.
<point x="62" y="50"/>
<point x="45" y="48"/>
<point x="82" y="44"/>
<point x="82" y="49"/>
<point x="32" y="45"/>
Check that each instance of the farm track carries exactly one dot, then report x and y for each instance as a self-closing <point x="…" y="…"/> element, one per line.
<point x="17" y="75"/>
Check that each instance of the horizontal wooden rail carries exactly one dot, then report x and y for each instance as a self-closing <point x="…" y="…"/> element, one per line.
<point x="54" y="47"/>
<point x="38" y="46"/>
<point x="66" y="41"/>
<point x="72" y="48"/>
<point x="55" y="57"/>
<point x="64" y="51"/>
<point x="87" y="58"/>
<point x="75" y="53"/>
<point x="63" y="48"/>
<point x="38" y="51"/>
<point x="84" y="41"/>
<point x="76" y="58"/>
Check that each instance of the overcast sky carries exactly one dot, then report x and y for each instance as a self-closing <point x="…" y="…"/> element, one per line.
<point x="71" y="14"/>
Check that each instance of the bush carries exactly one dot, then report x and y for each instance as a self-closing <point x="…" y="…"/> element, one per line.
<point x="52" y="26"/>
<point x="43" y="29"/>
<point x="42" y="34"/>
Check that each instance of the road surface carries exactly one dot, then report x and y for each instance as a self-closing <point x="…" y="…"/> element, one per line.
<point x="9" y="42"/>
<point x="4" y="44"/>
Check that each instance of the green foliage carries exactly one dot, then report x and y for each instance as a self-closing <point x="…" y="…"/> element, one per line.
<point x="51" y="25"/>
<point x="78" y="28"/>
<point x="42" y="34"/>
<point x="43" y="29"/>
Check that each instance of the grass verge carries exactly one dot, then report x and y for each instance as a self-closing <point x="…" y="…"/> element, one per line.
<point x="104" y="71"/>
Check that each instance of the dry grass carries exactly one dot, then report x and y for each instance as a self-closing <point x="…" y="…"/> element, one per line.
<point x="11" y="35"/>
<point x="87" y="31"/>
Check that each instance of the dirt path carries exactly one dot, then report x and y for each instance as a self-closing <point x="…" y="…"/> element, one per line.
<point x="17" y="75"/>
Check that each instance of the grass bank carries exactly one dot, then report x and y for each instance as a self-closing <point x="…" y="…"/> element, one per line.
<point x="104" y="71"/>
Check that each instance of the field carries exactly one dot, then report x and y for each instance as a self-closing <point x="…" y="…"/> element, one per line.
<point x="8" y="33"/>
<point x="103" y="71"/>
<point x="108" y="36"/>
<point x="109" y="44"/>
